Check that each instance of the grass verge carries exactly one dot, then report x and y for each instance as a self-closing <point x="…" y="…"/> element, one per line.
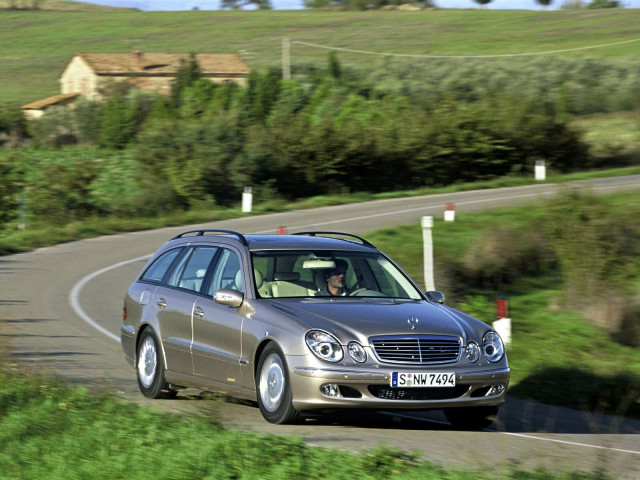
<point x="48" y="430"/>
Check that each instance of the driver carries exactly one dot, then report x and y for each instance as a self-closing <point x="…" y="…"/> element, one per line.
<point x="335" y="279"/>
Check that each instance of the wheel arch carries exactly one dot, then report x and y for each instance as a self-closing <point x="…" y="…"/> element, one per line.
<point x="258" y="353"/>
<point x="143" y="328"/>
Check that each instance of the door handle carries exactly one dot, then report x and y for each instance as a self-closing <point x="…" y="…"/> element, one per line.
<point x="162" y="303"/>
<point x="198" y="312"/>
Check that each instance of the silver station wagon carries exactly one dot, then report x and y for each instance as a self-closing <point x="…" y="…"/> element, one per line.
<point x="305" y="324"/>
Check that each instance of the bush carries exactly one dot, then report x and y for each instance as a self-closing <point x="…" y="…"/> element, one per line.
<point x="118" y="124"/>
<point x="500" y="256"/>
<point x="58" y="185"/>
<point x="11" y="186"/>
<point x="116" y="186"/>
<point x="629" y="330"/>
<point x="594" y="247"/>
<point x="13" y="124"/>
<point x="577" y="85"/>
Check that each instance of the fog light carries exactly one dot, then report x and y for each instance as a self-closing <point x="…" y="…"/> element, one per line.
<point x="472" y="352"/>
<point x="330" y="390"/>
<point x="496" y="390"/>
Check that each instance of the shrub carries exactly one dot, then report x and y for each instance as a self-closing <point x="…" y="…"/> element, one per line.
<point x="11" y="186"/>
<point x="500" y="256"/>
<point x="13" y="125"/>
<point x="115" y="188"/>
<point x="57" y="185"/>
<point x="629" y="330"/>
<point x="54" y="129"/>
<point x="118" y="123"/>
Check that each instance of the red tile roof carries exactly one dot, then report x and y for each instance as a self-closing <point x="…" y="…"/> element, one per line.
<point x="48" y="102"/>
<point x="162" y="64"/>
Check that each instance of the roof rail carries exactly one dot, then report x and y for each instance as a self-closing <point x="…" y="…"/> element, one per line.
<point x="202" y="231"/>
<point x="351" y="235"/>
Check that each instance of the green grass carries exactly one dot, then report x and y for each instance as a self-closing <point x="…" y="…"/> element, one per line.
<point x="613" y="135"/>
<point x="36" y="45"/>
<point x="50" y="431"/>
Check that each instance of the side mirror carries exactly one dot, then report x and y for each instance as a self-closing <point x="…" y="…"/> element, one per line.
<point x="435" y="296"/>
<point x="229" y="297"/>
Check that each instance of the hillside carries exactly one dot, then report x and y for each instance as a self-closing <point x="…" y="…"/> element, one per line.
<point x="65" y="5"/>
<point x="37" y="44"/>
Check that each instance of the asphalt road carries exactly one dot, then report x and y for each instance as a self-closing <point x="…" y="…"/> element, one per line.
<point x="62" y="305"/>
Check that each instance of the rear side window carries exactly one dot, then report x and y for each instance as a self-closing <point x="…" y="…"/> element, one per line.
<point x="190" y="274"/>
<point x="158" y="269"/>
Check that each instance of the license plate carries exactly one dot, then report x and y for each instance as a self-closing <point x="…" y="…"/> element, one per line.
<point x="432" y="379"/>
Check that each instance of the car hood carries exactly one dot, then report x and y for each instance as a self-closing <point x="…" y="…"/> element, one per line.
<point x="359" y="319"/>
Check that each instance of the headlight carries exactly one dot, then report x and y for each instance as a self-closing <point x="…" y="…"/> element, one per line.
<point x="492" y="346"/>
<point x="324" y="346"/>
<point x="357" y="352"/>
<point x="472" y="352"/>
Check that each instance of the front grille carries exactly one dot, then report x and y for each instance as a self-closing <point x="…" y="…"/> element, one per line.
<point x="388" y="393"/>
<point x="418" y="349"/>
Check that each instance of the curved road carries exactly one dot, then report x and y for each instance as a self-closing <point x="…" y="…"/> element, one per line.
<point x="61" y="308"/>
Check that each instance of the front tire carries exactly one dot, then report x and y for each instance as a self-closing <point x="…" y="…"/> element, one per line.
<point x="150" y="367"/>
<point x="273" y="387"/>
<point x="471" y="418"/>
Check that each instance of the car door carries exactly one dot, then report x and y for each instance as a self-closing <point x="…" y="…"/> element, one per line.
<point x="217" y="328"/>
<point x="174" y="301"/>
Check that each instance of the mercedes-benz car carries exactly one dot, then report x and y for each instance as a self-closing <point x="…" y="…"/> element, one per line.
<point x="306" y="324"/>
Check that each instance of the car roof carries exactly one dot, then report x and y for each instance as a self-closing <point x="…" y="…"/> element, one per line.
<point x="300" y="241"/>
<point x="303" y="242"/>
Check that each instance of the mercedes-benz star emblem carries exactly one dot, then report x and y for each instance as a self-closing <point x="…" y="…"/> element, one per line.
<point x="413" y="322"/>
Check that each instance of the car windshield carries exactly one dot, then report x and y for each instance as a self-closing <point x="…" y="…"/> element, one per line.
<point x="307" y="273"/>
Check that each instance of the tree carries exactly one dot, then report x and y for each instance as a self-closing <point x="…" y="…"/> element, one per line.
<point x="118" y="122"/>
<point x="188" y="73"/>
<point x="572" y="5"/>
<point x="13" y="125"/>
<point x="10" y="186"/>
<point x="335" y="70"/>
<point x="483" y="2"/>
<point x="263" y="91"/>
<point x="239" y="4"/>
<point x="544" y="3"/>
<point x="595" y="4"/>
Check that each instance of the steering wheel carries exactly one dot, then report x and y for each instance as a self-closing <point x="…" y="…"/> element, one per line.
<point x="365" y="292"/>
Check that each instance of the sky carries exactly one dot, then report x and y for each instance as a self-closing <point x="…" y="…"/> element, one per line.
<point x="172" y="5"/>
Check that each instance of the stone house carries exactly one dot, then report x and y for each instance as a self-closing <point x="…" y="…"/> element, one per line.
<point x="89" y="74"/>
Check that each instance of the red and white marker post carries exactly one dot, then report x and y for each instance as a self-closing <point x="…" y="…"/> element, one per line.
<point x="503" y="323"/>
<point x="449" y="212"/>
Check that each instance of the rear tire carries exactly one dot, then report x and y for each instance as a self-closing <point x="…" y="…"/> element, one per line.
<point x="273" y="387"/>
<point x="150" y="367"/>
<point x="471" y="418"/>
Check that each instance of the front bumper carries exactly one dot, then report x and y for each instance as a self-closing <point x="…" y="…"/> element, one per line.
<point x="371" y="389"/>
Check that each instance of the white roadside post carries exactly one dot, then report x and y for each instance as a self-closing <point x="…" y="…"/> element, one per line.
<point x="427" y="224"/>
<point x="541" y="170"/>
<point x="503" y="323"/>
<point x="247" y="200"/>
